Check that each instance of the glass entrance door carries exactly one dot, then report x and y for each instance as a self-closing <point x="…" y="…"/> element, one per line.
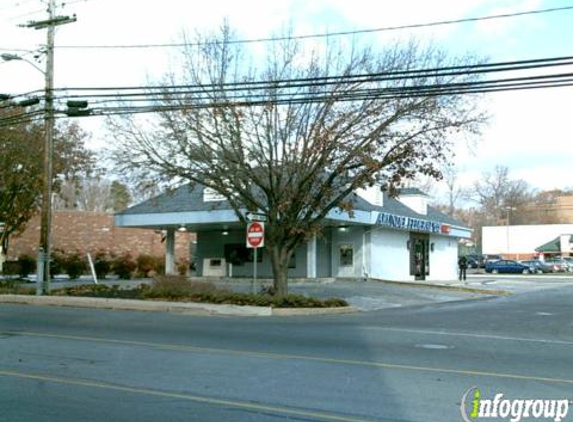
<point x="419" y="255"/>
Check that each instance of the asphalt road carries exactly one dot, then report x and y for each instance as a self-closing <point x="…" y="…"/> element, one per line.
<point x="403" y="364"/>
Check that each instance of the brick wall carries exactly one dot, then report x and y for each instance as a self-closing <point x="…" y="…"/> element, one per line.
<point x="78" y="231"/>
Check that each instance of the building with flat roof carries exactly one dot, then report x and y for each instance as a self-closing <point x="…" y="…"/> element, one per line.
<point x="527" y="241"/>
<point x="389" y="238"/>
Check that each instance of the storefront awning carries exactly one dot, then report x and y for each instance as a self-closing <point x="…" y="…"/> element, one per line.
<point x="553" y="246"/>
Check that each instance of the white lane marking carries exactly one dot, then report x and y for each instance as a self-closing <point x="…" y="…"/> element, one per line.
<point x="472" y="335"/>
<point x="433" y="346"/>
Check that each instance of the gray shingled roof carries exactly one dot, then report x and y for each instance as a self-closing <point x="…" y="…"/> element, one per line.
<point x="182" y="199"/>
<point x="185" y="199"/>
<point x="411" y="191"/>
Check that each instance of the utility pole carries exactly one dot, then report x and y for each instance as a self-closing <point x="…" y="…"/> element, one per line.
<point x="508" y="209"/>
<point x="43" y="276"/>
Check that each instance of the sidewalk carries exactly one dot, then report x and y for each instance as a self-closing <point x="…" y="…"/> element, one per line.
<point x="469" y="285"/>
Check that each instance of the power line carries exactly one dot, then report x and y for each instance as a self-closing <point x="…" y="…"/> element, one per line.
<point x="309" y="90"/>
<point x="331" y="34"/>
<point x="247" y="101"/>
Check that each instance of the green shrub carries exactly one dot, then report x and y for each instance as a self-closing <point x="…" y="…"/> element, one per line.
<point x="145" y="264"/>
<point x="102" y="264"/>
<point x="27" y="265"/>
<point x="182" y="267"/>
<point x="57" y="262"/>
<point x="123" y="266"/>
<point x="178" y="287"/>
<point x="14" y="287"/>
<point x="98" y="290"/>
<point x="159" y="265"/>
<point x="74" y="266"/>
<point x="11" y="268"/>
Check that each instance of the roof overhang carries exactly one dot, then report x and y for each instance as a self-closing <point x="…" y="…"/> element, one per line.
<point x="227" y="219"/>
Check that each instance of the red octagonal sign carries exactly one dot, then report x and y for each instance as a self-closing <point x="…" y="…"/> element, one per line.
<point x="255" y="235"/>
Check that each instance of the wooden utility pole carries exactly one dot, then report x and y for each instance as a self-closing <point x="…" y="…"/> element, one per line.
<point x="43" y="276"/>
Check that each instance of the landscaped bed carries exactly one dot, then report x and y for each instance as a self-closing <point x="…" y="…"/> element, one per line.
<point x="180" y="289"/>
<point x="16" y="287"/>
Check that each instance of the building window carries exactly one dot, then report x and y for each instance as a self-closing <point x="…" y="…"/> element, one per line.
<point x="237" y="254"/>
<point x="292" y="260"/>
<point x="346" y="255"/>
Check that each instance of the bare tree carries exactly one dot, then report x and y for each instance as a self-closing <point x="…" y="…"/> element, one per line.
<point x="497" y="193"/>
<point x="92" y="194"/>
<point x="455" y="193"/>
<point x="297" y="138"/>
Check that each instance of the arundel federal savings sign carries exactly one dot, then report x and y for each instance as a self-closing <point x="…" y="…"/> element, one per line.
<point x="410" y="223"/>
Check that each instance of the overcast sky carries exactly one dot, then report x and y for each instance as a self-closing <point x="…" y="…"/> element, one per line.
<point x="529" y="131"/>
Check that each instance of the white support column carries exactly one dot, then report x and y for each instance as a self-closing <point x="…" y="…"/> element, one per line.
<point x="311" y="258"/>
<point x="170" y="252"/>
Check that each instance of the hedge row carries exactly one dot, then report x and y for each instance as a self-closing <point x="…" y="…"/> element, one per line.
<point x="173" y="288"/>
<point x="76" y="264"/>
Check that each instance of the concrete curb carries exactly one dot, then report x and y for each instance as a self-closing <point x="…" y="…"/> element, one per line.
<point x="183" y="308"/>
<point x="491" y="292"/>
<point x="313" y="311"/>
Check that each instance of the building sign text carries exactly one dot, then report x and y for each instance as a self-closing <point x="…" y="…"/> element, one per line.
<point x="408" y="223"/>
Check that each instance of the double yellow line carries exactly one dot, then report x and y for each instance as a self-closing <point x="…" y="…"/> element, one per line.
<point x="268" y="355"/>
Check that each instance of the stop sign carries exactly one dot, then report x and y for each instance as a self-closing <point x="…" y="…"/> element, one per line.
<point x="255" y="234"/>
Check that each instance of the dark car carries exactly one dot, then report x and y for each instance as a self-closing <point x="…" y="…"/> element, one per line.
<point x="508" y="266"/>
<point x="474" y="261"/>
<point x="539" y="266"/>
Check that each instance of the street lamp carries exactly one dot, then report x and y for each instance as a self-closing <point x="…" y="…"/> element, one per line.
<point x="43" y="276"/>
<point x="7" y="57"/>
<point x="508" y="209"/>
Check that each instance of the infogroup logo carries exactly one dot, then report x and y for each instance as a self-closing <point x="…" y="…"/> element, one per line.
<point x="475" y="408"/>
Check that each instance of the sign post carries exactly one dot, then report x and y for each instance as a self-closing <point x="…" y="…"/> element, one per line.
<point x="255" y="240"/>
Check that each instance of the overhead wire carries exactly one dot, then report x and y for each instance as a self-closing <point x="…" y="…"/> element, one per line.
<point x="244" y="90"/>
<point x="515" y="84"/>
<point x="331" y="34"/>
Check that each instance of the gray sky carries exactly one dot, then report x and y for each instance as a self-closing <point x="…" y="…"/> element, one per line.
<point x="529" y="131"/>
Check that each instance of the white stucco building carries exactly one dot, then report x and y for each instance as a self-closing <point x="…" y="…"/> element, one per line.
<point x="386" y="238"/>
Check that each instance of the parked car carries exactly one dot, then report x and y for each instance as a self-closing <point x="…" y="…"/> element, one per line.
<point x="474" y="261"/>
<point x="508" y="266"/>
<point x="539" y="266"/>
<point x="569" y="261"/>
<point x="489" y="258"/>
<point x="559" y="265"/>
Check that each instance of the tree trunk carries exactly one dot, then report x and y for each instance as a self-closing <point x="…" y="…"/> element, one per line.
<point x="280" y="257"/>
<point x="3" y="251"/>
